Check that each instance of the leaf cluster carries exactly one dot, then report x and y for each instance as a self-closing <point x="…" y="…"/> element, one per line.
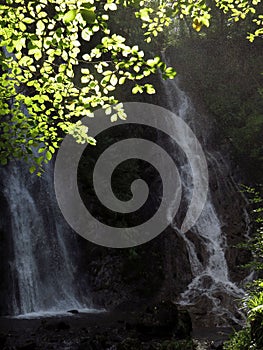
<point x="42" y="94"/>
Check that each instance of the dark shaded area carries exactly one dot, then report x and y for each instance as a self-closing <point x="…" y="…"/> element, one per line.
<point x="222" y="74"/>
<point x="6" y="253"/>
<point x="158" y="326"/>
<point x="256" y="330"/>
<point x="124" y="174"/>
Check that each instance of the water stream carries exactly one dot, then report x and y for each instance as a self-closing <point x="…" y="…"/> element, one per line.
<point x="43" y="269"/>
<point x="211" y="287"/>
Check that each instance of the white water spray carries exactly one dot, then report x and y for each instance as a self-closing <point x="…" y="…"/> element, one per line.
<point x="43" y="267"/>
<point x="211" y="288"/>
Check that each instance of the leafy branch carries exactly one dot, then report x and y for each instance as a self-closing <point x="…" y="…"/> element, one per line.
<point x="45" y="87"/>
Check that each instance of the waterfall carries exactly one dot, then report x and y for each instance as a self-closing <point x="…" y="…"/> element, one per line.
<point x="211" y="291"/>
<point x="43" y="266"/>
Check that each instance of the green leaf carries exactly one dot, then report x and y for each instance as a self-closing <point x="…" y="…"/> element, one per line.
<point x="37" y="54"/>
<point x="69" y="16"/>
<point x="197" y="24"/>
<point x="150" y="89"/>
<point x="86" y="36"/>
<point x="32" y="169"/>
<point x="113" y="80"/>
<point x="122" y="80"/>
<point x="41" y="26"/>
<point x="88" y="15"/>
<point x="170" y="72"/>
<point x="52" y="149"/>
<point x="91" y="141"/>
<point x="3" y="161"/>
<point x="10" y="48"/>
<point x="48" y="155"/>
<point x="136" y="89"/>
<point x="108" y="110"/>
<point x="85" y="79"/>
<point x="22" y="26"/>
<point x="41" y="150"/>
<point x="114" y="118"/>
<point x="112" y="7"/>
<point x="87" y="5"/>
<point x="28" y="20"/>
<point x="39" y="160"/>
<point x="144" y="15"/>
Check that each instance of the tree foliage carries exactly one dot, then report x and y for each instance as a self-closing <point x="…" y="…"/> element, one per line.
<point x="60" y="60"/>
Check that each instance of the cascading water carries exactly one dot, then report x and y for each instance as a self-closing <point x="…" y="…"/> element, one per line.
<point x="43" y="265"/>
<point x="42" y="268"/>
<point x="211" y="290"/>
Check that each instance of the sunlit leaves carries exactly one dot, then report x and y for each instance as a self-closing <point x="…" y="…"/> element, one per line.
<point x="239" y="10"/>
<point x="155" y="21"/>
<point x="53" y="73"/>
<point x="144" y="14"/>
<point x="116" y="111"/>
<point x="148" y="88"/>
<point x="69" y="16"/>
<point x="79" y="132"/>
<point x="110" y="5"/>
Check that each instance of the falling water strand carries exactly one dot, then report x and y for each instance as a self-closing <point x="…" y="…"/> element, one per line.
<point x="210" y="281"/>
<point x="43" y="266"/>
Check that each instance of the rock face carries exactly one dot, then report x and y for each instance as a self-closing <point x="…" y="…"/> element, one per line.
<point x="232" y="208"/>
<point x="127" y="279"/>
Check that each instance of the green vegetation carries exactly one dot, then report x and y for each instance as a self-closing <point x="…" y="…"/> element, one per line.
<point x="251" y="337"/>
<point x="239" y="341"/>
<point x="62" y="59"/>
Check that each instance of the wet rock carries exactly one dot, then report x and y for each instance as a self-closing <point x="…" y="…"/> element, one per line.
<point x="199" y="311"/>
